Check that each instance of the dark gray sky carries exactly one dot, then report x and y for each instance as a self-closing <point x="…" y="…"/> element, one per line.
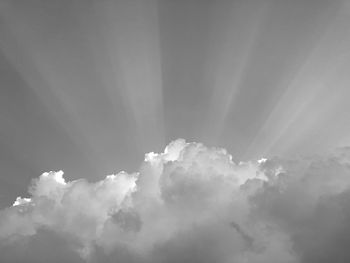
<point x="90" y="86"/>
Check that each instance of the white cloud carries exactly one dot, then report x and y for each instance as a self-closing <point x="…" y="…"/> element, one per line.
<point x="190" y="203"/>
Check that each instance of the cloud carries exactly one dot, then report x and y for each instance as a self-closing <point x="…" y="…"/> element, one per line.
<point x="191" y="203"/>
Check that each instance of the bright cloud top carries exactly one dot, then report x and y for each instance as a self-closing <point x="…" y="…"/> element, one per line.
<point x="190" y="203"/>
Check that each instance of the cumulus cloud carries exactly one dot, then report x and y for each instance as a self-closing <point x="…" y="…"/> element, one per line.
<point x="191" y="203"/>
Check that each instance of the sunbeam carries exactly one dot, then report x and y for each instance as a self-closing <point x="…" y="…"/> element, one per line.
<point x="130" y="33"/>
<point x="317" y="76"/>
<point x="258" y="90"/>
<point x="233" y="41"/>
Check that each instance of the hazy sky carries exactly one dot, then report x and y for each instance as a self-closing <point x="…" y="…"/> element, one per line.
<point x="90" y="86"/>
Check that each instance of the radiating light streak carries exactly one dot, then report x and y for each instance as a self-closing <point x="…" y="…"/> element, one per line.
<point x="22" y="50"/>
<point x="130" y="31"/>
<point x="296" y="101"/>
<point x="231" y="59"/>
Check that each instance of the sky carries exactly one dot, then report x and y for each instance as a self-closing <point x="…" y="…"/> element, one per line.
<point x="90" y="87"/>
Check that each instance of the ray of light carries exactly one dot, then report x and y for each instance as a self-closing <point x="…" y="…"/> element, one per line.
<point x="27" y="55"/>
<point x="234" y="38"/>
<point x="281" y="48"/>
<point x="324" y="122"/>
<point x="130" y="34"/>
<point x="92" y="79"/>
<point x="308" y="85"/>
<point x="19" y="47"/>
<point x="60" y="74"/>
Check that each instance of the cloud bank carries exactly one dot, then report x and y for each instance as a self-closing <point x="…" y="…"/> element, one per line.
<point x="190" y="203"/>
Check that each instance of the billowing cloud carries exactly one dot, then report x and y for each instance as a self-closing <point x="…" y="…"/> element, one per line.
<point x="190" y="203"/>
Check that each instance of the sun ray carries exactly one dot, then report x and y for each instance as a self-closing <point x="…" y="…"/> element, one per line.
<point x="311" y="80"/>
<point x="233" y="47"/>
<point x="130" y="32"/>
